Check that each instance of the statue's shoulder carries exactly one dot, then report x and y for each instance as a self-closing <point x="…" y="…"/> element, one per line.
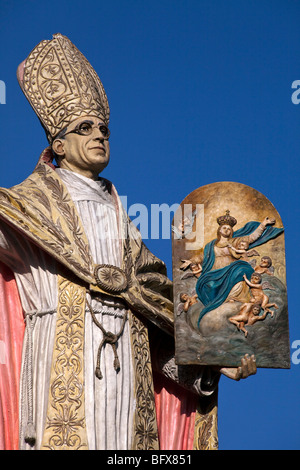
<point x="34" y="178"/>
<point x="43" y="189"/>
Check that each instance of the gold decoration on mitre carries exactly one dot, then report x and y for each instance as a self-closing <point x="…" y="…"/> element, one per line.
<point x="227" y="219"/>
<point x="61" y="85"/>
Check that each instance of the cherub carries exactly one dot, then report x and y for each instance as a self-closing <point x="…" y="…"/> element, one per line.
<point x="265" y="266"/>
<point x="194" y="265"/>
<point x="188" y="300"/>
<point x="258" y="294"/>
<point x="248" y="315"/>
<point x="241" y="251"/>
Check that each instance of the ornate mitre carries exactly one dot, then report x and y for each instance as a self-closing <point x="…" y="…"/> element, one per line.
<point x="227" y="219"/>
<point x="61" y="85"/>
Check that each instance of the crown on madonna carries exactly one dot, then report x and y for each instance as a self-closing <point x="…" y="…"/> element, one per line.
<point x="227" y="219"/>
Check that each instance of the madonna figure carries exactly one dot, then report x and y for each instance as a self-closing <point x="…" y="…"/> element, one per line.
<point x="222" y="273"/>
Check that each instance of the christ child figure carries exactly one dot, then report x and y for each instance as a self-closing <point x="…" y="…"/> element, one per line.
<point x="241" y="251"/>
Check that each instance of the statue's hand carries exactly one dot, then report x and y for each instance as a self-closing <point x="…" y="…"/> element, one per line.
<point x="268" y="221"/>
<point x="247" y="367"/>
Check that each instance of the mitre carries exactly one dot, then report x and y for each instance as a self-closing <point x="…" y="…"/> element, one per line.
<point x="61" y="85"/>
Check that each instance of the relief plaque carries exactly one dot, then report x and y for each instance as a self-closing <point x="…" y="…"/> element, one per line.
<point x="229" y="275"/>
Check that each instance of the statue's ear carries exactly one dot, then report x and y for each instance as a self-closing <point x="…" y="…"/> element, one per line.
<point x="58" y="147"/>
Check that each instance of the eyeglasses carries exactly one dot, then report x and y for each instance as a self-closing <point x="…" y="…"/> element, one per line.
<point x="86" y="128"/>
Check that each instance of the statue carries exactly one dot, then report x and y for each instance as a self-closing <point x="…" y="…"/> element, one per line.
<point x="94" y="300"/>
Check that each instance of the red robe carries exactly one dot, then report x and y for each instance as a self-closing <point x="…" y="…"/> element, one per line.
<point x="12" y="329"/>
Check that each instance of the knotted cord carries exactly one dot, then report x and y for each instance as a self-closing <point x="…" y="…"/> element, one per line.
<point x="108" y="338"/>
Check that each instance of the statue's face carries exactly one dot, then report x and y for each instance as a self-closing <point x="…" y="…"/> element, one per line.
<point x="255" y="279"/>
<point x="243" y="245"/>
<point x="84" y="147"/>
<point x="256" y="310"/>
<point x="265" y="263"/>
<point x="226" y="231"/>
<point x="194" y="267"/>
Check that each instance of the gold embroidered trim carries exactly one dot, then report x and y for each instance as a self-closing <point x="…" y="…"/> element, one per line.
<point x="206" y="424"/>
<point x="65" y="424"/>
<point x="145" y="425"/>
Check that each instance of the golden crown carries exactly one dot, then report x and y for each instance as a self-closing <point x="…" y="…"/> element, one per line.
<point x="226" y="219"/>
<point x="61" y="85"/>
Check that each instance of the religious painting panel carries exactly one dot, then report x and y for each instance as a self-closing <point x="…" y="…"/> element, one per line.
<point x="230" y="296"/>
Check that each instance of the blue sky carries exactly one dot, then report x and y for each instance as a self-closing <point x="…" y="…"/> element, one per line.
<point x="199" y="91"/>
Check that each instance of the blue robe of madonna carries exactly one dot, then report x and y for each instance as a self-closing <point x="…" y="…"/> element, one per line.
<point x="214" y="286"/>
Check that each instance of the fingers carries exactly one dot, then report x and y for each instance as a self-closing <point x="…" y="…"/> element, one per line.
<point x="270" y="221"/>
<point x="239" y="373"/>
<point x="248" y="366"/>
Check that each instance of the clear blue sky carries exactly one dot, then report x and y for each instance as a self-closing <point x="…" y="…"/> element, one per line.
<point x="199" y="91"/>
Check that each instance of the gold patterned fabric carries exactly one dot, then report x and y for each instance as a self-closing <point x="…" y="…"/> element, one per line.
<point x="65" y="427"/>
<point x="61" y="85"/>
<point x="145" y="424"/>
<point x="206" y="424"/>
